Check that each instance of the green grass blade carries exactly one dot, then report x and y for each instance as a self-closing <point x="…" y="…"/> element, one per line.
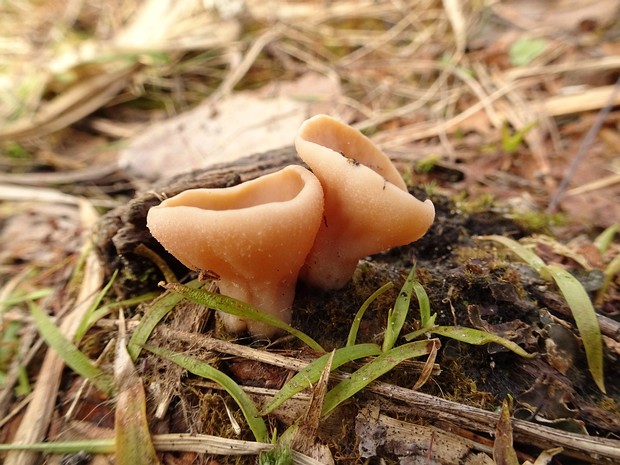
<point x="373" y="370"/>
<point x="131" y="302"/>
<point x="18" y="297"/>
<point x="84" y="324"/>
<point x="424" y="304"/>
<point x="606" y="238"/>
<point x="423" y="330"/>
<point x="397" y="316"/>
<point x="92" y="446"/>
<point x="156" y="312"/>
<point x="611" y="270"/>
<point x="311" y="373"/>
<point x="360" y="313"/>
<point x="523" y="253"/>
<point x="478" y="337"/>
<point x="69" y="353"/>
<point x="204" y="370"/>
<point x="9" y="342"/>
<point x="235" y="307"/>
<point x="585" y="319"/>
<point x="23" y="387"/>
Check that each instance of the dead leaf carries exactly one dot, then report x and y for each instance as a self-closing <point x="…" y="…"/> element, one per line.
<point x="503" y="452"/>
<point x="133" y="439"/>
<point x="236" y="126"/>
<point x="43" y="235"/>
<point x="412" y="443"/>
<point x="566" y="15"/>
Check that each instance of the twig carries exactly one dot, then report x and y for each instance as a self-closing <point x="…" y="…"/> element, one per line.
<point x="587" y="141"/>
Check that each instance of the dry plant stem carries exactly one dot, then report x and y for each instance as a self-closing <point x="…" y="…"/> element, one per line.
<point x="598" y="64"/>
<point x="594" y="185"/>
<point x="230" y="348"/>
<point x="406" y="134"/>
<point x="591" y="99"/>
<point x="80" y="101"/>
<point x="35" y="422"/>
<point x="46" y="195"/>
<point x="22" y="404"/>
<point x="237" y="73"/>
<point x="454" y="11"/>
<point x="92" y="173"/>
<point x="485" y="100"/>
<point x="518" y="112"/>
<point x="244" y="352"/>
<point x="316" y="13"/>
<point x="202" y="443"/>
<point x="380" y="41"/>
<point x="264" y="392"/>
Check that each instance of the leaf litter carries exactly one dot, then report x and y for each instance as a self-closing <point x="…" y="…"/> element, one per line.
<point x="493" y="100"/>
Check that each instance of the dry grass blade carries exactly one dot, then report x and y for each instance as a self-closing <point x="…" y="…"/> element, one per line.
<point x="304" y="434"/>
<point x="427" y="369"/>
<point x="454" y="10"/>
<point x="503" y="452"/>
<point x="181" y="442"/>
<point x="586" y="100"/>
<point x="69" y="107"/>
<point x="237" y="73"/>
<point x="594" y="185"/>
<point x="604" y="63"/>
<point x="91" y="173"/>
<point x="133" y="439"/>
<point x="35" y="194"/>
<point x="45" y="195"/>
<point x="312" y="13"/>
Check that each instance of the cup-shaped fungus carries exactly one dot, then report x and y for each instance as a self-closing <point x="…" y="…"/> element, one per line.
<point x="255" y="236"/>
<point x="367" y="206"/>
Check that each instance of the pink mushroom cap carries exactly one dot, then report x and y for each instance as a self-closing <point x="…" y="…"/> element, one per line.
<point x="255" y="236"/>
<point x="367" y="206"/>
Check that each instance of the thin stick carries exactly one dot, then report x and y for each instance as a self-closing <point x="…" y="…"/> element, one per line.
<point x="587" y="141"/>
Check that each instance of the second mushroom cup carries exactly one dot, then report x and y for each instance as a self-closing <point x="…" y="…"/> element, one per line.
<point x="255" y="236"/>
<point x="367" y="206"/>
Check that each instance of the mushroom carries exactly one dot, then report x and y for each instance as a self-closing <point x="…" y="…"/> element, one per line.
<point x="367" y="206"/>
<point x="255" y="236"/>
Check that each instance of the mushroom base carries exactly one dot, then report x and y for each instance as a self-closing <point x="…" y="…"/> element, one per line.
<point x="273" y="299"/>
<point x="327" y="269"/>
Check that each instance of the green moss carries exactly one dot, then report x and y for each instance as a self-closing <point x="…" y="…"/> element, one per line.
<point x="538" y="221"/>
<point x="427" y="164"/>
<point x="481" y="203"/>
